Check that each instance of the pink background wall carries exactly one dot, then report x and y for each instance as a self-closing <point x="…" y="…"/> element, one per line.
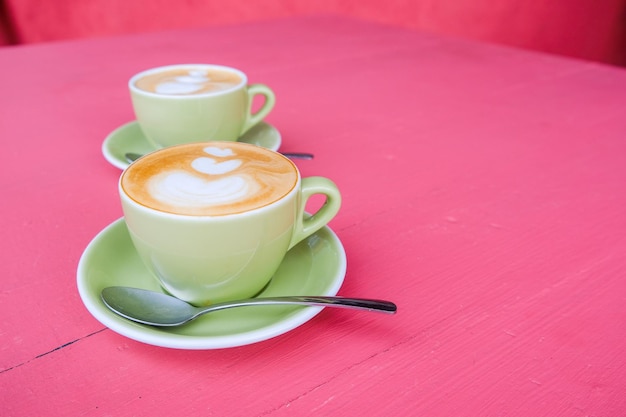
<point x="588" y="29"/>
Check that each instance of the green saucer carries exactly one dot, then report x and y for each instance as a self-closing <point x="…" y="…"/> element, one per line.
<point x="130" y="138"/>
<point x="316" y="266"/>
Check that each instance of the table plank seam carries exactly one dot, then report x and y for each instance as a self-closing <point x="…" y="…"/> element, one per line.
<point x="52" y="350"/>
<point x="342" y="372"/>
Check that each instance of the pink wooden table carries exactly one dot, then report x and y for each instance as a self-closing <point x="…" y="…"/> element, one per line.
<point x="484" y="192"/>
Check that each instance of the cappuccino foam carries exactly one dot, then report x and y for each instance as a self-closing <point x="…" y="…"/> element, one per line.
<point x="209" y="179"/>
<point x="187" y="81"/>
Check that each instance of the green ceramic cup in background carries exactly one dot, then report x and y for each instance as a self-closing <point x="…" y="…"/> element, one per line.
<point x="232" y="249"/>
<point x="224" y="114"/>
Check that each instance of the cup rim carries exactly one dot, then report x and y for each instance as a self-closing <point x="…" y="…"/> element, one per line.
<point x="133" y="88"/>
<point x="206" y="217"/>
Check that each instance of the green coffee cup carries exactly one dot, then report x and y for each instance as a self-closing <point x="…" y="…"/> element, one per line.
<point x="185" y="103"/>
<point x="213" y="221"/>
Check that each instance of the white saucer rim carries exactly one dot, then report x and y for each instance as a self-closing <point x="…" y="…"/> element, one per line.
<point x="120" y="164"/>
<point x="108" y="155"/>
<point x="138" y="332"/>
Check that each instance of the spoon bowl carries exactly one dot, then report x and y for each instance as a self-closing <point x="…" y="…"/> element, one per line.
<point x="158" y="309"/>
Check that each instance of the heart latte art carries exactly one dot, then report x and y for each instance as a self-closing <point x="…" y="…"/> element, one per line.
<point x="213" y="179"/>
<point x="187" y="81"/>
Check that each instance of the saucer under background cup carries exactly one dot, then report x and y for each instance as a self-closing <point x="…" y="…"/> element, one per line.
<point x="130" y="138"/>
<point x="315" y="266"/>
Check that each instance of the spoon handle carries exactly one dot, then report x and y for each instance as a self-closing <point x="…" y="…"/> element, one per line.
<point x="343" y="302"/>
<point x="132" y="156"/>
<point x="298" y="155"/>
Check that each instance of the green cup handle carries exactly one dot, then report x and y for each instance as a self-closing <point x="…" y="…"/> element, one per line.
<point x="307" y="225"/>
<point x="268" y="105"/>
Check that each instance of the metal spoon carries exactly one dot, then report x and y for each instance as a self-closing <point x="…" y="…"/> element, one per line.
<point x="158" y="309"/>
<point x="132" y="156"/>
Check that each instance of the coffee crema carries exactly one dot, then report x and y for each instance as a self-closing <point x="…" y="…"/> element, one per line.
<point x="188" y="81"/>
<point x="209" y="179"/>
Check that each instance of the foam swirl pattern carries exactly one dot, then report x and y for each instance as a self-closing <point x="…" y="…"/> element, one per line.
<point x="188" y="81"/>
<point x="209" y="180"/>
